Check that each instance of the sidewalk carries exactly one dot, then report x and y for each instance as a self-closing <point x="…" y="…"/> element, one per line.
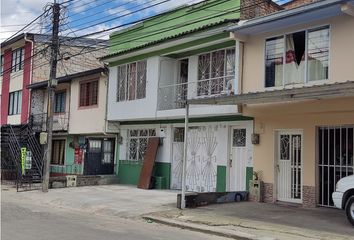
<point x="248" y="220"/>
<point x="242" y="220"/>
<point x="109" y="200"/>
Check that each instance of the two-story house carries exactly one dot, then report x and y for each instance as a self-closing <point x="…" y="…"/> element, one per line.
<point x="80" y="101"/>
<point x="298" y="85"/>
<point x="159" y="63"/>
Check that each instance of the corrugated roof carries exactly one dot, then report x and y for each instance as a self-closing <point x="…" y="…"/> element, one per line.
<point x="152" y="43"/>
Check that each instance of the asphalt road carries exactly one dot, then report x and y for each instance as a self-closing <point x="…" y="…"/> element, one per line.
<point x="30" y="222"/>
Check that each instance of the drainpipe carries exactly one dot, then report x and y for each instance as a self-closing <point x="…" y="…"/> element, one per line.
<point x="184" y="161"/>
<point x="31" y="74"/>
<point x="237" y="67"/>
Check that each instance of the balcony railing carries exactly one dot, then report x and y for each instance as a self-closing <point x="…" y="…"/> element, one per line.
<point x="60" y="121"/>
<point x="172" y="96"/>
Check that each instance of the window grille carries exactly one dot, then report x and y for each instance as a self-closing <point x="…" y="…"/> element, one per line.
<point x="137" y="143"/>
<point x="131" y="81"/>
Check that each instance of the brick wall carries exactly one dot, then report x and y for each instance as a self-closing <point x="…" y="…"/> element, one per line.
<point x="256" y="8"/>
<point x="83" y="61"/>
<point x="297" y="3"/>
<point x="267" y="192"/>
<point x="309" y="196"/>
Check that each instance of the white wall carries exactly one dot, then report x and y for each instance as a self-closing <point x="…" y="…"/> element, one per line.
<point x="136" y="109"/>
<point x="84" y="120"/>
<point x="161" y="71"/>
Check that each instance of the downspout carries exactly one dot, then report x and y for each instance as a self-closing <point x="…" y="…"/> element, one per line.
<point x="31" y="74"/>
<point x="106" y="132"/>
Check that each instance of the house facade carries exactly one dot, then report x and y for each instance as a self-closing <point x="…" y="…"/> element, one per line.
<point x="298" y="85"/>
<point x="79" y="107"/>
<point x="189" y="56"/>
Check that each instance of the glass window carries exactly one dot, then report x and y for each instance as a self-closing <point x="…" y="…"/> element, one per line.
<point x="59" y="102"/>
<point x="274" y="62"/>
<point x="15" y="102"/>
<point x="18" y="56"/>
<point x="293" y="62"/>
<point x="216" y="70"/>
<point x="137" y="143"/>
<point x="58" y="152"/>
<point x="2" y="64"/>
<point x="131" y="81"/>
<point x="318" y="54"/>
<point x="88" y="93"/>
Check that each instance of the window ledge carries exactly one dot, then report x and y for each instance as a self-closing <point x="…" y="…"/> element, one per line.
<point x="87" y="107"/>
<point x="298" y="85"/>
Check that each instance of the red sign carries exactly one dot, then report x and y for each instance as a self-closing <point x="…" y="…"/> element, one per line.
<point x="78" y="155"/>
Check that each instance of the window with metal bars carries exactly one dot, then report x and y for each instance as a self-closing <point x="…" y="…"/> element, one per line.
<point x="137" y="143"/>
<point x="335" y="159"/>
<point x="131" y="83"/>
<point x="88" y="93"/>
<point x="216" y="70"/>
<point x="18" y="57"/>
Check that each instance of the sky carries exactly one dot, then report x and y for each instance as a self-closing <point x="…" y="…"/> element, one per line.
<point x="79" y="15"/>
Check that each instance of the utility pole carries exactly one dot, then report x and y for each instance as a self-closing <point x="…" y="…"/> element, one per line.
<point x="51" y="88"/>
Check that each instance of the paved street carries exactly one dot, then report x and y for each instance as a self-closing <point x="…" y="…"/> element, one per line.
<point x="30" y="222"/>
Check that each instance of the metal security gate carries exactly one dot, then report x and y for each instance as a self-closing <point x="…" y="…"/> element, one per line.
<point x="99" y="158"/>
<point x="335" y="159"/>
<point x="289" y="166"/>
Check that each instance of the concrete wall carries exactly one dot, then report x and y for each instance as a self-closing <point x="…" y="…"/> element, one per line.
<point x="148" y="107"/>
<point x="87" y="120"/>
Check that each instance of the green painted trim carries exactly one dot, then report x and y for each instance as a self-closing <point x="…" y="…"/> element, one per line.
<point x="129" y="172"/>
<point x="191" y="120"/>
<point x="203" y="50"/>
<point x="221" y="179"/>
<point x="162" y="169"/>
<point x="249" y="177"/>
<point x="171" y="49"/>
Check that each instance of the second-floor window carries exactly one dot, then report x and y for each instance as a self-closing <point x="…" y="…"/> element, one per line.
<point x="59" y="102"/>
<point x="131" y="81"/>
<point x="297" y="58"/>
<point x="216" y="70"/>
<point x="2" y="64"/>
<point x="18" y="57"/>
<point x="88" y="93"/>
<point x="15" y="102"/>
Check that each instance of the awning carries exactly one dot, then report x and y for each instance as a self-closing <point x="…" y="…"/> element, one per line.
<point x="317" y="92"/>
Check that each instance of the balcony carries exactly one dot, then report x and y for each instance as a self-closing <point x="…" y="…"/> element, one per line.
<point x="172" y="96"/>
<point x="60" y="122"/>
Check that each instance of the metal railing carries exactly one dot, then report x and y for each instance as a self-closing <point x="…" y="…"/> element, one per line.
<point x="60" y="121"/>
<point x="172" y="96"/>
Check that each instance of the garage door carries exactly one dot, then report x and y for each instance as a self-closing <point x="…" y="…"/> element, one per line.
<point x="335" y="159"/>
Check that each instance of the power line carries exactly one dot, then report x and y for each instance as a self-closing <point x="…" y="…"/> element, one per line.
<point x="97" y="49"/>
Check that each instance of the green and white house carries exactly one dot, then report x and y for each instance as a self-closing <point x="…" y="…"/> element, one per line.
<point x="181" y="54"/>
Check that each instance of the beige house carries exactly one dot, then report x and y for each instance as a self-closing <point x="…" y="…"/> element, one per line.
<point x="296" y="79"/>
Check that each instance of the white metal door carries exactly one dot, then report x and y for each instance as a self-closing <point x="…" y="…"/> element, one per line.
<point x="289" y="166"/>
<point x="238" y="159"/>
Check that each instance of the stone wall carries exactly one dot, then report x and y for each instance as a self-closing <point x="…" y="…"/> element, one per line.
<point x="256" y="8"/>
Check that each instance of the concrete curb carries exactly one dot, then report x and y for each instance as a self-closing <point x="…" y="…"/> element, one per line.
<point x="205" y="229"/>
